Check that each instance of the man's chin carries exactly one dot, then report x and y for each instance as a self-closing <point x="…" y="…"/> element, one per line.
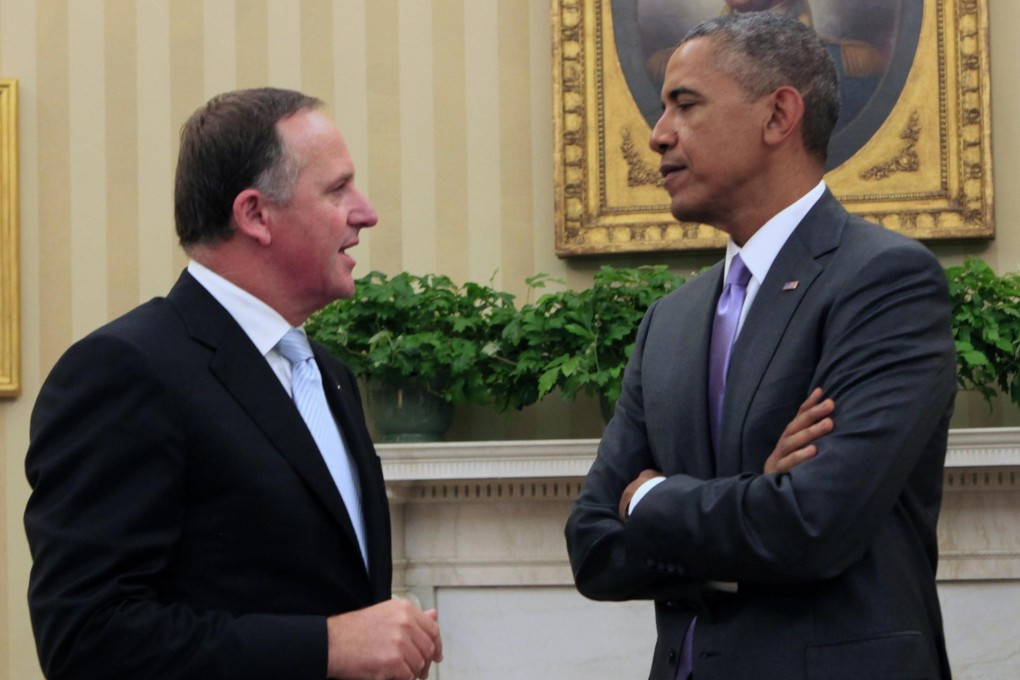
<point x="690" y="214"/>
<point x="340" y="289"/>
<point x="683" y="213"/>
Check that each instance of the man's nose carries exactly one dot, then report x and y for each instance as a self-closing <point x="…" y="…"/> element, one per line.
<point x="363" y="214"/>
<point x="661" y="138"/>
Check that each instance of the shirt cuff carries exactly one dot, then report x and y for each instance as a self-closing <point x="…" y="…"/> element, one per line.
<point x="642" y="491"/>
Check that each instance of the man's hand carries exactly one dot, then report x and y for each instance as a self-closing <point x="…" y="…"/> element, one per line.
<point x="795" y="446"/>
<point x="392" y="640"/>
<point x="628" y="493"/>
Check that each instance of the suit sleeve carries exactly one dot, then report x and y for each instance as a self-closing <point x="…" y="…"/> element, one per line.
<point x="107" y="465"/>
<point x="604" y="567"/>
<point x="887" y="359"/>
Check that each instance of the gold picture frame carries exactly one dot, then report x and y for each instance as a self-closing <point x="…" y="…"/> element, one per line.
<point x="10" y="356"/>
<point x="923" y="169"/>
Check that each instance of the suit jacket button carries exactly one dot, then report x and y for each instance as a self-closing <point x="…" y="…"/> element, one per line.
<point x="671" y="657"/>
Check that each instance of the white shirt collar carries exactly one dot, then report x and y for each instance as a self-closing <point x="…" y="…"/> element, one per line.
<point x="761" y="250"/>
<point x="260" y="322"/>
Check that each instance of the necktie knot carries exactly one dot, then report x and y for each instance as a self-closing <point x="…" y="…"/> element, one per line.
<point x="739" y="274"/>
<point x="294" y="347"/>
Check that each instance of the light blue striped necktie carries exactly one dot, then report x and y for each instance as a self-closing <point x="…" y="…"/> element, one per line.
<point x="310" y="399"/>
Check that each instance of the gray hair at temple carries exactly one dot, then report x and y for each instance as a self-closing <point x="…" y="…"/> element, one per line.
<point x="764" y="51"/>
<point x="229" y="145"/>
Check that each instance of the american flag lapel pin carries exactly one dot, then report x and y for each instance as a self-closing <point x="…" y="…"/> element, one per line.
<point x="791" y="285"/>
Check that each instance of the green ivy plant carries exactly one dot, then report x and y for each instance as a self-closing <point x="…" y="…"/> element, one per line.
<point x="579" y="341"/>
<point x="423" y="327"/>
<point x="470" y="343"/>
<point x="986" y="328"/>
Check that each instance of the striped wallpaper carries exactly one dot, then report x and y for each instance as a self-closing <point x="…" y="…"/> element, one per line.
<point x="444" y="143"/>
<point x="446" y="106"/>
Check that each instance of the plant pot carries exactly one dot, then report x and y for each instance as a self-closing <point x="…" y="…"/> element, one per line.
<point x="407" y="412"/>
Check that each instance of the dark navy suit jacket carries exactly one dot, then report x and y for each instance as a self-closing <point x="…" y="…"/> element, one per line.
<point x="182" y="521"/>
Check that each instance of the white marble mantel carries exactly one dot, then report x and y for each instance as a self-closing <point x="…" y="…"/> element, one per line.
<point x="478" y="531"/>
<point x="969" y="450"/>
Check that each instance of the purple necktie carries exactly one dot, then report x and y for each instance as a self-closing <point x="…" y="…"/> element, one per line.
<point x="686" y="665"/>
<point x="724" y="332"/>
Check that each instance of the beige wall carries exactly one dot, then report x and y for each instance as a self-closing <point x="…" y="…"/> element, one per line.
<point x="446" y="106"/>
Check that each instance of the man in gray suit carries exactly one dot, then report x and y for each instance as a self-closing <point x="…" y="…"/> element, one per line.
<point x="771" y="560"/>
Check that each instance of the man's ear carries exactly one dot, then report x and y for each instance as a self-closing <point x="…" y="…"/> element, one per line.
<point x="786" y="113"/>
<point x="251" y="216"/>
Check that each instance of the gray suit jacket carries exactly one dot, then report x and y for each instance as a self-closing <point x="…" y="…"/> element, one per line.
<point x="836" y="560"/>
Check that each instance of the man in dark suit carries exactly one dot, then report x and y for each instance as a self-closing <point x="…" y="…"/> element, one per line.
<point x="765" y="560"/>
<point x="183" y="521"/>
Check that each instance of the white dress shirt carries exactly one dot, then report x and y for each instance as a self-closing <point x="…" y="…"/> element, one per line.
<point x="263" y="325"/>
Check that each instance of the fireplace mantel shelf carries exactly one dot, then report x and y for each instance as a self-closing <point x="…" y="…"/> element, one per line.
<point x="970" y="450"/>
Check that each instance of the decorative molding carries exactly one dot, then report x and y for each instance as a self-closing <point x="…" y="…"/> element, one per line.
<point x="500" y="571"/>
<point x="10" y="325"/>
<point x="569" y="88"/>
<point x="906" y="159"/>
<point x="974" y="455"/>
<point x="978" y="565"/>
<point x="984" y="555"/>
<point x="545" y="489"/>
<point x="639" y="171"/>
<point x="982" y="479"/>
<point x="524" y="459"/>
<point x="984" y="447"/>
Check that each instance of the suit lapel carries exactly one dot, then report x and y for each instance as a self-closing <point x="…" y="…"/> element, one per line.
<point x="695" y="371"/>
<point x="244" y="372"/>
<point x="343" y="399"/>
<point x="674" y="376"/>
<point x="770" y="315"/>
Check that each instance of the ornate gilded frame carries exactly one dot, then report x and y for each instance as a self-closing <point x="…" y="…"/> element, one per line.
<point x="10" y="356"/>
<point x="926" y="172"/>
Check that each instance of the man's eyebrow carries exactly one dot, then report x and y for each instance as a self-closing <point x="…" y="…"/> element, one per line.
<point x="678" y="92"/>
<point x="343" y="177"/>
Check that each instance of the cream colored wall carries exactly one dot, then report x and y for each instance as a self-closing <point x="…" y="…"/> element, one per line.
<point x="446" y="106"/>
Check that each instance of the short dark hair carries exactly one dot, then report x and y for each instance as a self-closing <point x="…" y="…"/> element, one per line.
<point x="764" y="51"/>
<point x="229" y="145"/>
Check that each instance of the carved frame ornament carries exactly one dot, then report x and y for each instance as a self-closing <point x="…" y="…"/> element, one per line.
<point x="10" y="356"/>
<point x="923" y="168"/>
